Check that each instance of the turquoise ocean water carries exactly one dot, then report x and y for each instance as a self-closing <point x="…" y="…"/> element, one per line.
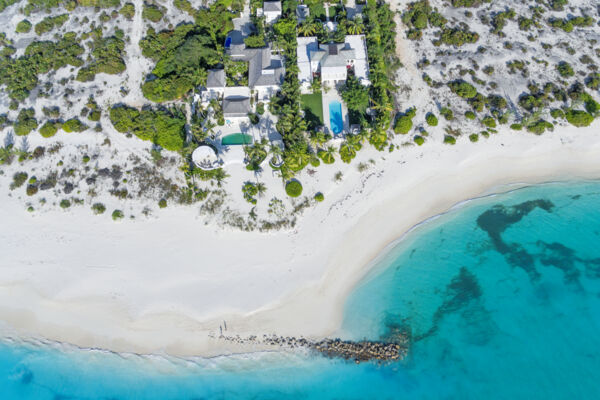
<point x="501" y="297"/>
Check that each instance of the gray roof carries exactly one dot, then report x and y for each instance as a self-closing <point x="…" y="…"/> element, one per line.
<point x="236" y="106"/>
<point x="270" y="6"/>
<point x="216" y="78"/>
<point x="263" y="70"/>
<point x="332" y="54"/>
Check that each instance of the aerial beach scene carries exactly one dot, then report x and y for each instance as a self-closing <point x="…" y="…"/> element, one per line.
<point x="299" y="199"/>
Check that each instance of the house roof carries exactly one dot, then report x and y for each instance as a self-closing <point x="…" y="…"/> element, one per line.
<point x="272" y="6"/>
<point x="215" y="78"/>
<point x="265" y="71"/>
<point x="236" y="106"/>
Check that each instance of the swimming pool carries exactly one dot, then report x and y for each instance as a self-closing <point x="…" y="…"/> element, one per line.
<point x="236" y="139"/>
<point x="335" y="117"/>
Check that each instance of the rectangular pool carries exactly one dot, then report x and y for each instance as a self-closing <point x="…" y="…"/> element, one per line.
<point x="335" y="117"/>
<point x="236" y="139"/>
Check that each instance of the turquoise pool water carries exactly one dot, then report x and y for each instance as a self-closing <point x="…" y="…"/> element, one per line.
<point x="501" y="297"/>
<point x="335" y="117"/>
<point x="236" y="139"/>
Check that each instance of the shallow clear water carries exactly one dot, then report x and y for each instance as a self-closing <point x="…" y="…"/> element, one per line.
<point x="501" y="297"/>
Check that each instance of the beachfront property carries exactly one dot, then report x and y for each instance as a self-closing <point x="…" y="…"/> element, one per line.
<point x="331" y="63"/>
<point x="271" y="10"/>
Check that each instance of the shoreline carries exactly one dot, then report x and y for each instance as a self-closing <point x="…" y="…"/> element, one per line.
<point x="167" y="304"/>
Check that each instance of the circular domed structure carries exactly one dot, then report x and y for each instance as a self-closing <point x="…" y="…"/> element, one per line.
<point x="205" y="157"/>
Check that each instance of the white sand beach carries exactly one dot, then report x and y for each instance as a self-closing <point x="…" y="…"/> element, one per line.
<point x="165" y="285"/>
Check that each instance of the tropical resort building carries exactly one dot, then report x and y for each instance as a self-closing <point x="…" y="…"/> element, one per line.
<point x="271" y="10"/>
<point x="331" y="62"/>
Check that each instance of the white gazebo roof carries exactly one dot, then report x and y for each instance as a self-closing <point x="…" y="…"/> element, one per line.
<point x="205" y="158"/>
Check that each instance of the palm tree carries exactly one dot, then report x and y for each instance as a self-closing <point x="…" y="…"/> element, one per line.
<point x="355" y="26"/>
<point x="261" y="188"/>
<point x="6" y="154"/>
<point x="349" y="148"/>
<point x="327" y="155"/>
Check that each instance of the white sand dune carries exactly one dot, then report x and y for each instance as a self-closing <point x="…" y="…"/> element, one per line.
<point x="165" y="285"/>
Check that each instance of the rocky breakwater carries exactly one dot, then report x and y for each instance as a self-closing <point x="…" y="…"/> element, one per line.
<point x="361" y="351"/>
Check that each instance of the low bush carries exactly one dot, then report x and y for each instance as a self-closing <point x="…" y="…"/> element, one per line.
<point x="488" y="121"/>
<point x="419" y="140"/>
<point x="162" y="203"/>
<point x="98" y="208"/>
<point x="117" y="215"/>
<point x="74" y="125"/>
<point x="579" y="118"/>
<point x="65" y="203"/>
<point x="19" y="179"/>
<point x="319" y="197"/>
<point x="293" y="188"/>
<point x="23" y="26"/>
<point x="431" y="119"/>
<point x="449" y="139"/>
<point x="473" y="137"/>
<point x="49" y="129"/>
<point x="463" y="89"/>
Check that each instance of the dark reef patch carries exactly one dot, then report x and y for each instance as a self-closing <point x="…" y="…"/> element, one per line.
<point x="498" y="218"/>
<point x="561" y="257"/>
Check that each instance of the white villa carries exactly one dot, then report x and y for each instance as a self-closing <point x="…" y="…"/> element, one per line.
<point x="332" y="61"/>
<point x="271" y="11"/>
<point x="265" y="76"/>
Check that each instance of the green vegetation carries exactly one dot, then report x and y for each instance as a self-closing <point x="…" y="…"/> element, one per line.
<point x="539" y="126"/>
<point x="456" y="37"/>
<point x="474" y="137"/>
<point x="489" y="121"/>
<point x="431" y="119"/>
<point x="404" y="122"/>
<point x="162" y="126"/>
<point x="25" y="122"/>
<point x="74" y="125"/>
<point x="447" y="113"/>
<point x="98" y="208"/>
<point x="516" y="127"/>
<point x="128" y="11"/>
<point x="250" y="190"/>
<point x="162" y="203"/>
<point x="65" y="203"/>
<point x="293" y="188"/>
<point x="49" y="23"/>
<point x="449" y="139"/>
<point x="350" y="147"/>
<point x="49" y="129"/>
<point x="419" y="140"/>
<point x="108" y="55"/>
<point x="564" y="69"/>
<point x="19" y="179"/>
<point x="152" y="12"/>
<point x="319" y="197"/>
<point x="23" y="26"/>
<point x="355" y="95"/>
<point x="579" y="118"/>
<point x="312" y="105"/>
<point x="20" y="75"/>
<point x="463" y="89"/>
<point x="184" y="54"/>
<point x="470" y="115"/>
<point x="117" y="215"/>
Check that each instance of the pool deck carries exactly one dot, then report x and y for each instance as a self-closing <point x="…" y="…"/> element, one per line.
<point x="329" y="96"/>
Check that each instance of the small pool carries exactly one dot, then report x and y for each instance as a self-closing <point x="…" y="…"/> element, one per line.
<point x="335" y="117"/>
<point x="236" y="139"/>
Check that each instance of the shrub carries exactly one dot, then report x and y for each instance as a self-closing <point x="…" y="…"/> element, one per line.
<point x="579" y="118"/>
<point x="403" y="124"/>
<point x="152" y="13"/>
<point x="260" y="108"/>
<point x="488" y="121"/>
<point x="49" y="129"/>
<point x="86" y="159"/>
<point x="162" y="203"/>
<point x="98" y="208"/>
<point x="449" y="139"/>
<point x="293" y="188"/>
<point x="128" y="11"/>
<point x="557" y="113"/>
<point x="538" y="127"/>
<point x="431" y="119"/>
<point x="74" y="125"/>
<point x="65" y="203"/>
<point x="447" y="113"/>
<point x="117" y="215"/>
<point x="31" y="190"/>
<point x="26" y="122"/>
<point x="319" y="197"/>
<point x="23" y="26"/>
<point x="19" y="179"/>
<point x="419" y="140"/>
<point x="463" y="89"/>
<point x="473" y="137"/>
<point x="564" y="69"/>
